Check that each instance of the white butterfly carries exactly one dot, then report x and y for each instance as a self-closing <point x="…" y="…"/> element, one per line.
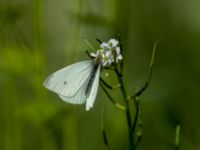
<point x="77" y="83"/>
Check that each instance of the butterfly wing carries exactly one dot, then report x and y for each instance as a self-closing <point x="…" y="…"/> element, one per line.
<point x="79" y="98"/>
<point x="94" y="88"/>
<point x="66" y="82"/>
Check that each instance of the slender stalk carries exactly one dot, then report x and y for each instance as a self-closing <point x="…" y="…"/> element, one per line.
<point x="137" y="95"/>
<point x="122" y="87"/>
<point x="115" y="103"/>
<point x="135" y="122"/>
<point x="88" y="44"/>
<point x="177" y="136"/>
<point x="111" y="87"/>
<point x="105" y="138"/>
<point x="136" y="114"/>
<point x="128" y="113"/>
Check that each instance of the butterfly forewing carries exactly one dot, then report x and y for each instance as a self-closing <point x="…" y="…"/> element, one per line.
<point x="94" y="88"/>
<point x="67" y="81"/>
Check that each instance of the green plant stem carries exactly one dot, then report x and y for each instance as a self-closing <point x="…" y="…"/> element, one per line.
<point x="105" y="138"/>
<point x="115" y="103"/>
<point x="136" y="114"/>
<point x="128" y="113"/>
<point x="177" y="136"/>
<point x="137" y="95"/>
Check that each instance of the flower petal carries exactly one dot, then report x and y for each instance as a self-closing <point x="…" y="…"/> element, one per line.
<point x="117" y="50"/>
<point x="93" y="55"/>
<point x="113" y="43"/>
<point x="119" y="57"/>
<point x="104" y="45"/>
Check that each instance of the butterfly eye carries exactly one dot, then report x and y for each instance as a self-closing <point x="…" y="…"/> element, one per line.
<point x="65" y="82"/>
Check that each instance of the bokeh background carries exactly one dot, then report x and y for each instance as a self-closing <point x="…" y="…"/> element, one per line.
<point x="39" y="37"/>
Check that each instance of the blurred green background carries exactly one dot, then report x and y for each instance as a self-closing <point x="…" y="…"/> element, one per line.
<point x="39" y="37"/>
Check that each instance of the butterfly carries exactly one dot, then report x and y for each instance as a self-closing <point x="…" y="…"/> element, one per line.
<point x="78" y="83"/>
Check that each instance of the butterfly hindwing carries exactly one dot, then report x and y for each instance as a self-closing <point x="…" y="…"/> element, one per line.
<point x="80" y="96"/>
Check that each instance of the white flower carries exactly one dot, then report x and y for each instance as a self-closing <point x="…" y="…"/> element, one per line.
<point x="103" y="57"/>
<point x="113" y="46"/>
<point x="93" y="55"/>
<point x="118" y="54"/>
<point x="112" y="43"/>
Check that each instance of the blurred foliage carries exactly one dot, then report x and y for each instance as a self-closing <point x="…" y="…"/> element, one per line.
<point x="38" y="37"/>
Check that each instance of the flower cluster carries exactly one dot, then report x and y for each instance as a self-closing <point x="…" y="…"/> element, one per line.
<point x="108" y="54"/>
